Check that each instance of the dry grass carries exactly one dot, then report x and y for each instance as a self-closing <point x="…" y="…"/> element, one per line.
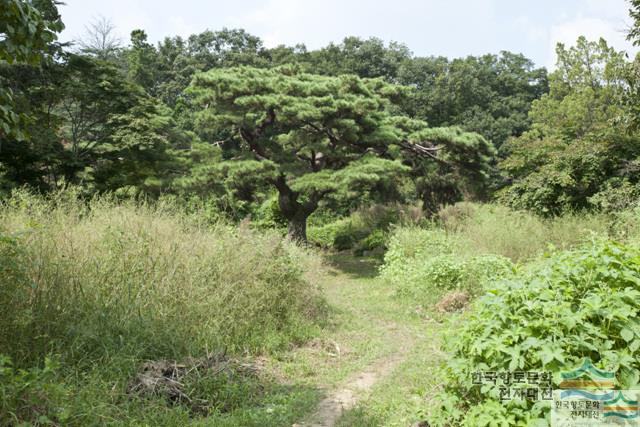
<point x="495" y="229"/>
<point x="88" y="280"/>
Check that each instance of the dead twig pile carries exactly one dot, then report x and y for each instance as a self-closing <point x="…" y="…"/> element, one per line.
<point x="167" y="378"/>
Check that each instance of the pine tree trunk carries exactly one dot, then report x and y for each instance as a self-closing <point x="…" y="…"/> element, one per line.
<point x="297" y="229"/>
<point x="295" y="212"/>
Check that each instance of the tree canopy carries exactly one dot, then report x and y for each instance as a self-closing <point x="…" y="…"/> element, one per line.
<point x="309" y="131"/>
<point x="219" y="117"/>
<point x="578" y="149"/>
<point x="27" y="35"/>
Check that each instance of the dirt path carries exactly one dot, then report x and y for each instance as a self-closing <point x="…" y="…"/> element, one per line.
<point x="337" y="402"/>
<point x="375" y="332"/>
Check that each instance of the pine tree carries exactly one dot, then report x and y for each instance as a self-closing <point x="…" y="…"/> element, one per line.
<point x="312" y="130"/>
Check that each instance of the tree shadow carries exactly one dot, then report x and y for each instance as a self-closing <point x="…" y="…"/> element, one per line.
<point x="356" y="267"/>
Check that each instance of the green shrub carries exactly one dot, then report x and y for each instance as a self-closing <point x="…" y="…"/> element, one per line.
<point x="425" y="264"/>
<point x="616" y="195"/>
<point x="268" y="215"/>
<point x="626" y="224"/>
<point x="364" y="230"/>
<point x="32" y="395"/>
<point x="564" y="308"/>
<point x="340" y="235"/>
<point x="416" y="242"/>
<point x="375" y="242"/>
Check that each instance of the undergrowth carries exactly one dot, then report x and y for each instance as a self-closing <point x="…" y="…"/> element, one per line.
<point x="520" y="236"/>
<point x="100" y="287"/>
<point x="425" y="264"/>
<point x="365" y="231"/>
<point x="562" y="309"/>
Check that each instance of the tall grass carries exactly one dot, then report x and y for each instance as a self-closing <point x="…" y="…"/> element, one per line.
<point x="92" y="280"/>
<point x="496" y="229"/>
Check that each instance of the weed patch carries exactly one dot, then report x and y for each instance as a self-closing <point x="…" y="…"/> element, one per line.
<point x="577" y="304"/>
<point x="106" y="286"/>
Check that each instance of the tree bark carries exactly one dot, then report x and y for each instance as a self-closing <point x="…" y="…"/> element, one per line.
<point x="296" y="212"/>
<point x="297" y="228"/>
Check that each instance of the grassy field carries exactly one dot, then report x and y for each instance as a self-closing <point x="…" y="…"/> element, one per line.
<point x="98" y="289"/>
<point x="239" y="327"/>
<point x="104" y="291"/>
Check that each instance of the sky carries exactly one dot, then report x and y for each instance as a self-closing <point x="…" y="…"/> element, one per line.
<point x="452" y="28"/>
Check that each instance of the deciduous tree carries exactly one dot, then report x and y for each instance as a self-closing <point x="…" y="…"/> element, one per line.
<point x="579" y="145"/>
<point x="25" y="36"/>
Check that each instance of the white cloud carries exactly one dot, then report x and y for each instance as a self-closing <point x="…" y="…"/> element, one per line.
<point x="593" y="29"/>
<point x="77" y="15"/>
<point x="610" y="9"/>
<point x="275" y="15"/>
<point x="287" y="21"/>
<point x="431" y="23"/>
